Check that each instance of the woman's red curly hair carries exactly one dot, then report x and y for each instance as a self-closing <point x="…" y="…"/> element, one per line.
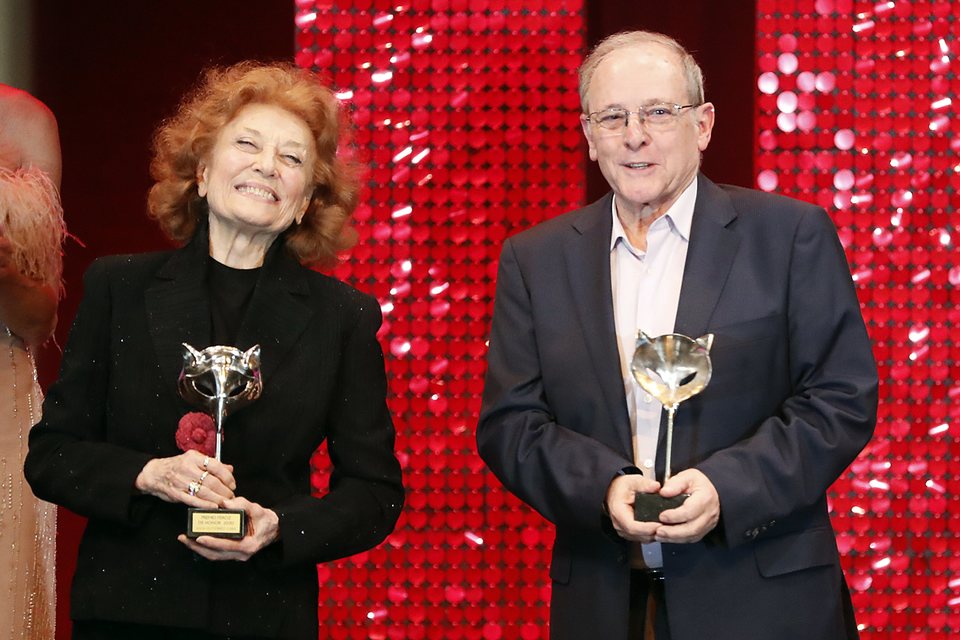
<point x="182" y="142"/>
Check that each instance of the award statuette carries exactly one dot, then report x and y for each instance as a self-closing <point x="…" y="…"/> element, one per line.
<point x="671" y="368"/>
<point x="220" y="380"/>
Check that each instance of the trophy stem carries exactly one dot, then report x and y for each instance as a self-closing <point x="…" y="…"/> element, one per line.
<point x="672" y="409"/>
<point x="221" y="409"/>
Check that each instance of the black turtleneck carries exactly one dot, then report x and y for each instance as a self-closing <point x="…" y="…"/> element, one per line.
<point x="230" y="293"/>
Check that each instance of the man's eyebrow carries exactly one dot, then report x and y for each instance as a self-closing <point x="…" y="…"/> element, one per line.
<point x="646" y="103"/>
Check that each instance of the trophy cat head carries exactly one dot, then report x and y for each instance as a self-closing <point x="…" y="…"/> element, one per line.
<point x="220" y="373"/>
<point x="672" y="367"/>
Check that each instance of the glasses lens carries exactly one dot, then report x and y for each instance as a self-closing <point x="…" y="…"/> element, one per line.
<point x="659" y="114"/>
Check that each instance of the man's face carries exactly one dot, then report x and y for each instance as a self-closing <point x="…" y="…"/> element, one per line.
<point x="647" y="168"/>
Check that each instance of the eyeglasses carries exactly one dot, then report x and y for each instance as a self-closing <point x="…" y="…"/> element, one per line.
<point x="657" y="116"/>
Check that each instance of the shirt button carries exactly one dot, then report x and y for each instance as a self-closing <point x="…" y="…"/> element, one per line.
<point x="647" y="398"/>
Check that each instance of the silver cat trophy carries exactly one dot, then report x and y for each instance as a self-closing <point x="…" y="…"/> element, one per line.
<point x="671" y="368"/>
<point x="220" y="380"/>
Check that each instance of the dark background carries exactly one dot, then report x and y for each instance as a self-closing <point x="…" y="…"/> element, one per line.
<point x="111" y="71"/>
<point x="720" y="35"/>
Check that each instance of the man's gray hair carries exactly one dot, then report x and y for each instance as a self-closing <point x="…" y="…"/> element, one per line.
<point x="691" y="70"/>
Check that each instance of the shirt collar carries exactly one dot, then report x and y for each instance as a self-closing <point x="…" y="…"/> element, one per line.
<point x="679" y="215"/>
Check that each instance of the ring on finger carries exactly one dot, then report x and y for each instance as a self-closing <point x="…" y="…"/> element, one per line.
<point x="193" y="488"/>
<point x="206" y="461"/>
<point x="203" y="476"/>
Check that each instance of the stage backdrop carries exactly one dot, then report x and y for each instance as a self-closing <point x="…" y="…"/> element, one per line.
<point x="857" y="112"/>
<point x="466" y="112"/>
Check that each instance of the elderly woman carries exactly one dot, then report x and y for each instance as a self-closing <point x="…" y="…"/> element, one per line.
<point x="247" y="175"/>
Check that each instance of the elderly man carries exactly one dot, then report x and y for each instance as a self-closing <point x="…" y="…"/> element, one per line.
<point x="750" y="554"/>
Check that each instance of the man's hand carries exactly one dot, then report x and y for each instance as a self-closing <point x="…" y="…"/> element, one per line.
<point x="697" y="516"/>
<point x="620" y="496"/>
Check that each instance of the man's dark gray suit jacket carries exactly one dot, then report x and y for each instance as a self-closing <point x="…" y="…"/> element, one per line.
<point x="791" y="403"/>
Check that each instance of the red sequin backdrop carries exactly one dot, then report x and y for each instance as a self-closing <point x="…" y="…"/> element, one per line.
<point x="857" y="111"/>
<point x="466" y="112"/>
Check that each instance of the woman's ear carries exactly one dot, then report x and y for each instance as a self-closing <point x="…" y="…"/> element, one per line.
<point x="303" y="209"/>
<point x="202" y="180"/>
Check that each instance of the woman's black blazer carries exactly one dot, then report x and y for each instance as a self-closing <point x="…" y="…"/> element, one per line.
<point x="115" y="406"/>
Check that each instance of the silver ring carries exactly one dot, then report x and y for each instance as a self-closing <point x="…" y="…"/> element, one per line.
<point x="193" y="488"/>
<point x="203" y="476"/>
<point x="206" y="460"/>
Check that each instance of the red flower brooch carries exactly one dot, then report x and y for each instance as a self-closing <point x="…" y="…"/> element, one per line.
<point x="197" y="431"/>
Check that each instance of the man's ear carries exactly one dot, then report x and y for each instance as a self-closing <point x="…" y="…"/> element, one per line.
<point x="586" y="125"/>
<point x="706" y="114"/>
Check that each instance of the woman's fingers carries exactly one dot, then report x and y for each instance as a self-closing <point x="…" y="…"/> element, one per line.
<point x="223" y="472"/>
<point x="190" y="478"/>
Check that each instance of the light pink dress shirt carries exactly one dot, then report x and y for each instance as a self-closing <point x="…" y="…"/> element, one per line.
<point x="646" y="292"/>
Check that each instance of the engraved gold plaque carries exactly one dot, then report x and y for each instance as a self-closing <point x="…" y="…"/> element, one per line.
<point x="220" y="523"/>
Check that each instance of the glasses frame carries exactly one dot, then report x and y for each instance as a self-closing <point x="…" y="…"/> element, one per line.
<point x="642" y="115"/>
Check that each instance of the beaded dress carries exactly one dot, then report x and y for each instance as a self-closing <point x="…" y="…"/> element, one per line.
<point x="32" y="221"/>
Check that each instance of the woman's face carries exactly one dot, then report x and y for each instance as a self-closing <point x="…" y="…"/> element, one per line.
<point x="258" y="177"/>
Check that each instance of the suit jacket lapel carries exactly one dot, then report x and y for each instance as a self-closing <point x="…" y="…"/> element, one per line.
<point x="587" y="256"/>
<point x="277" y="315"/>
<point x="713" y="246"/>
<point x="177" y="306"/>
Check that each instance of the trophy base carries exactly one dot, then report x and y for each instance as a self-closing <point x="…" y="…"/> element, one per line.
<point x="648" y="506"/>
<point x="217" y="523"/>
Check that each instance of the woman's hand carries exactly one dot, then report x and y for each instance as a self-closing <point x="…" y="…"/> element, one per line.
<point x="28" y="307"/>
<point x="263" y="528"/>
<point x="191" y="478"/>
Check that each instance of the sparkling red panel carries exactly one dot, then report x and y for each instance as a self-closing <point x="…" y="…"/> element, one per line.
<point x="857" y="111"/>
<point x="466" y="114"/>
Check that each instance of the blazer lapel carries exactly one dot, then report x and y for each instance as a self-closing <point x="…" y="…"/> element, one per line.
<point x="277" y="315"/>
<point x="177" y="307"/>
<point x="713" y="246"/>
<point x="587" y="256"/>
